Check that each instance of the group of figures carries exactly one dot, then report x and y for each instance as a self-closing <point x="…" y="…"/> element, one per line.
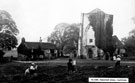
<point x="105" y="55"/>
<point x="117" y="56"/>
<point x="32" y="69"/>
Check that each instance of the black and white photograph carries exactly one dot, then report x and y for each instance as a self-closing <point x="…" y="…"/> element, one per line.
<point x="67" y="41"/>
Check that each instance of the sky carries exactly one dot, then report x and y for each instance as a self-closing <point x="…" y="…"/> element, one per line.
<point x="38" y="18"/>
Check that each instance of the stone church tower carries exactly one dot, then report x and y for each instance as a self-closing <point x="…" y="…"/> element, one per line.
<point x="95" y="32"/>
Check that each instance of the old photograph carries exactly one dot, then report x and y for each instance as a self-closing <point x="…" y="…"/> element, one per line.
<point x="67" y="41"/>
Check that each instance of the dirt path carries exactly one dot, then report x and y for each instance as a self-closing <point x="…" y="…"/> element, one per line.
<point x="80" y="62"/>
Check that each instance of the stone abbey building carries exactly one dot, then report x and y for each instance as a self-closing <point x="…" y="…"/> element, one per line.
<point x="95" y="33"/>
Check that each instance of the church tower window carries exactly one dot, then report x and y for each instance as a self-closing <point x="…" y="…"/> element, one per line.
<point x="90" y="40"/>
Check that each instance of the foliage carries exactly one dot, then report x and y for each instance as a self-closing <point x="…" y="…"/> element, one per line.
<point x="133" y="19"/>
<point x="57" y="35"/>
<point x="65" y="36"/>
<point x="7" y="24"/>
<point x="129" y="43"/>
<point x="71" y="36"/>
<point x="8" y="31"/>
<point x="7" y="41"/>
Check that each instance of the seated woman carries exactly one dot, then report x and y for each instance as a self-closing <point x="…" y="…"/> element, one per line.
<point x="31" y="70"/>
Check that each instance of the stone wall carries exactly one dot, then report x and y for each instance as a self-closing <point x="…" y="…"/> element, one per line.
<point x="101" y="24"/>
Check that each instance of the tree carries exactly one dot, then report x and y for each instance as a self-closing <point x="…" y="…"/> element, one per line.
<point x="71" y="36"/>
<point x="133" y="19"/>
<point x="57" y="35"/>
<point x="129" y="43"/>
<point x="8" y="31"/>
<point x="7" y="24"/>
<point x="7" y="41"/>
<point x="65" y="36"/>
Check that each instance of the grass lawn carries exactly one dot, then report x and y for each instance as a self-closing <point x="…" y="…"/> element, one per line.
<point x="54" y="72"/>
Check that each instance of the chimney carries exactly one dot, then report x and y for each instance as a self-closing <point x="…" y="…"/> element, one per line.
<point x="40" y="40"/>
<point x="23" y="40"/>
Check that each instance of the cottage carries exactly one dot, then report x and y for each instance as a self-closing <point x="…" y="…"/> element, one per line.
<point x="36" y="50"/>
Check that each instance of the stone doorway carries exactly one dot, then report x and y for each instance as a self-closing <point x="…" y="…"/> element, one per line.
<point x="90" y="53"/>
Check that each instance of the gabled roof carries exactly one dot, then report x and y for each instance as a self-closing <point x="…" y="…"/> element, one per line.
<point x="119" y="43"/>
<point x="43" y="45"/>
<point x="96" y="10"/>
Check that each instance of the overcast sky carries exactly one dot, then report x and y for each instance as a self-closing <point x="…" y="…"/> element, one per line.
<point x="37" y="18"/>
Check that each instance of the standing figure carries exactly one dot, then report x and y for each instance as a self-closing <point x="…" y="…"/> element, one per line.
<point x="74" y="65"/>
<point x="1" y="55"/>
<point x="118" y="59"/>
<point x="70" y="65"/>
<point x="114" y="57"/>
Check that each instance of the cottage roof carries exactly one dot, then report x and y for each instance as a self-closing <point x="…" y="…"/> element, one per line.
<point x="43" y="45"/>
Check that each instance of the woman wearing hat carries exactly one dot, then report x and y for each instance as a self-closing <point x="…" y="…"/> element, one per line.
<point x="33" y="68"/>
<point x="118" y="59"/>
